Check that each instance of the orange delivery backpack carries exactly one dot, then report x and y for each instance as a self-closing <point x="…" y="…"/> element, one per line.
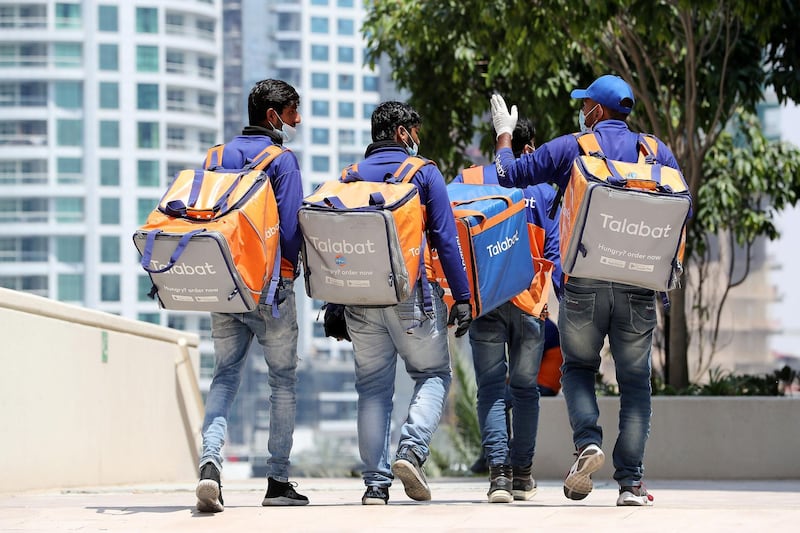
<point x="213" y="241"/>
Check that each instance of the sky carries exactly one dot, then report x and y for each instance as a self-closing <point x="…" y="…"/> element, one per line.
<point x="785" y="252"/>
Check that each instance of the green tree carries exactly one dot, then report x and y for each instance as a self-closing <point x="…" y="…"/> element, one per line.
<point x="693" y="65"/>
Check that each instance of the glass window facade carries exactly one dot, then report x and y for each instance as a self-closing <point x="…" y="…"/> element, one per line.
<point x="109" y="134"/>
<point x="320" y="163"/>
<point x="109" y="249"/>
<point x="69" y="132"/>
<point x="147" y="173"/>
<point x="146" y="58"/>
<point x="109" y="211"/>
<point x="147" y="134"/>
<point x="107" y="18"/>
<point x="319" y="80"/>
<point x="70" y="287"/>
<point x="319" y="24"/>
<point x="319" y="52"/>
<point x="109" y="95"/>
<point x="147" y="96"/>
<point x="68" y="94"/>
<point x="69" y="249"/>
<point x="146" y="20"/>
<point x="109" y="172"/>
<point x="320" y="108"/>
<point x="108" y="57"/>
<point x="110" y="287"/>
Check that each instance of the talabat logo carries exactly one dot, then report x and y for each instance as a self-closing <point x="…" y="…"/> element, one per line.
<point x="611" y="223"/>
<point x="272" y="231"/>
<point x="342" y="247"/>
<point x="414" y="251"/>
<point x="182" y="269"/>
<point x="501" y="246"/>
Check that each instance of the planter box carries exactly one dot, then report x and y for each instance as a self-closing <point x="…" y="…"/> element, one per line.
<point x="707" y="437"/>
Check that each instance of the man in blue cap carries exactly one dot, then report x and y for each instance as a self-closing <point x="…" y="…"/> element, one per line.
<point x="590" y="309"/>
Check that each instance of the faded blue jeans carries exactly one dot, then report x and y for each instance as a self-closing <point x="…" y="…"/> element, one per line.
<point x="232" y="334"/>
<point x="379" y="336"/>
<point x="590" y="310"/>
<point x="524" y="335"/>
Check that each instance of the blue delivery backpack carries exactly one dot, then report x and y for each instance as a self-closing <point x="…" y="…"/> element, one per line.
<point x="493" y="237"/>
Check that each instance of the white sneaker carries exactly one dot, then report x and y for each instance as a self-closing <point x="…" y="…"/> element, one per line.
<point x="634" y="496"/>
<point x="578" y="483"/>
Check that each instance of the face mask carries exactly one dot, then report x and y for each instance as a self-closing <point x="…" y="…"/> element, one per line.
<point x="287" y="132"/>
<point x="582" y="120"/>
<point x="412" y="150"/>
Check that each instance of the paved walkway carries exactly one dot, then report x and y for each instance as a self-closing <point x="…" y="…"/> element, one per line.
<point x="458" y="505"/>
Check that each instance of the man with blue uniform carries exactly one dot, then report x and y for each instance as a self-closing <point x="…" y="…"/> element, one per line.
<point x="590" y="309"/>
<point x="418" y="335"/>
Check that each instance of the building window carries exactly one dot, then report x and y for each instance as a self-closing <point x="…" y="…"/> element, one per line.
<point x="206" y="102"/>
<point x="347" y="109"/>
<point x="147" y="134"/>
<point x="146" y="20"/>
<point x="70" y="287"/>
<point x="346" y="159"/>
<point x="68" y="16"/>
<point x="152" y="318"/>
<point x="145" y="206"/>
<point x="346" y="82"/>
<point x="289" y="75"/>
<point x="345" y="27"/>
<point x="319" y="52"/>
<point x="344" y="3"/>
<point x="109" y="211"/>
<point x="109" y="95"/>
<point x="69" y="210"/>
<point x="289" y="49"/>
<point x="319" y="24"/>
<point x="109" y="134"/>
<point x="108" y="57"/>
<point x="368" y="109"/>
<point x="320" y="136"/>
<point x="146" y="58"/>
<point x="68" y="55"/>
<point x="320" y="108"/>
<point x="69" y="132"/>
<point x="319" y="80"/>
<point x="347" y="136"/>
<point x="144" y="284"/>
<point x="69" y="249"/>
<point x="175" y="62"/>
<point x="69" y="94"/>
<point x="345" y="54"/>
<point x="107" y="18"/>
<point x="320" y="163"/>
<point x="205" y="66"/>
<point x="288" y="22"/>
<point x="370" y="83"/>
<point x="109" y="288"/>
<point x="148" y="174"/>
<point x="319" y="2"/>
<point x="70" y="170"/>
<point x="109" y="172"/>
<point x="147" y="96"/>
<point x="109" y="249"/>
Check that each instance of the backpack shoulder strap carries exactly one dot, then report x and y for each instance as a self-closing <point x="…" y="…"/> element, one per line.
<point x="473" y="175"/>
<point x="266" y="156"/>
<point x="349" y="173"/>
<point x="648" y="148"/>
<point x="214" y="156"/>
<point x="409" y="167"/>
<point x="588" y="143"/>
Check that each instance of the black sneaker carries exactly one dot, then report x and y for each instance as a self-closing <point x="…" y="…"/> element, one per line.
<point x="524" y="486"/>
<point x="408" y="468"/>
<point x="282" y="493"/>
<point x="500" y="484"/>
<point x="209" y="490"/>
<point x="375" y="495"/>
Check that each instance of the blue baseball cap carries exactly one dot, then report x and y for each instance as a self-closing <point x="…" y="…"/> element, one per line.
<point x="608" y="91"/>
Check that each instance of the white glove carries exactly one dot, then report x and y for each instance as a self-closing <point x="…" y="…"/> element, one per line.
<point x="504" y="122"/>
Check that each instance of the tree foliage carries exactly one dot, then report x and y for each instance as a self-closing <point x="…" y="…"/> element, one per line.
<point x="693" y="65"/>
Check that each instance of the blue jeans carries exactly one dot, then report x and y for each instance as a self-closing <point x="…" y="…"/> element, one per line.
<point x="591" y="310"/>
<point x="379" y="336"/>
<point x="524" y="335"/>
<point x="232" y="334"/>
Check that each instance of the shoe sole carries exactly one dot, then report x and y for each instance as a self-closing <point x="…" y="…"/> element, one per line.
<point x="524" y="495"/>
<point x="373" y="501"/>
<point x="416" y="488"/>
<point x="578" y="484"/>
<point x="208" y="497"/>
<point x="627" y="499"/>
<point x="500" y="496"/>
<point x="282" y="501"/>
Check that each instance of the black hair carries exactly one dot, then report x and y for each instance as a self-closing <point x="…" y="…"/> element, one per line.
<point x="266" y="94"/>
<point x="388" y="116"/>
<point x="524" y="133"/>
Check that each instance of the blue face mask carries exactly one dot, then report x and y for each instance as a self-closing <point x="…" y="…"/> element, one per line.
<point x="412" y="150"/>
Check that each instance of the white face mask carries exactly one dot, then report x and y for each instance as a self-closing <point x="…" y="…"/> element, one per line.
<point x="582" y="120"/>
<point x="287" y="132"/>
<point x="412" y="150"/>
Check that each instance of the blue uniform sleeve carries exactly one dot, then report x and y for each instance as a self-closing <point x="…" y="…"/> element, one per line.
<point x="550" y="163"/>
<point x="287" y="185"/>
<point x="441" y="230"/>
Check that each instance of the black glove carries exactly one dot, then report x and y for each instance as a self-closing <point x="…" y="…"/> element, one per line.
<point x="461" y="312"/>
<point x="334" y="322"/>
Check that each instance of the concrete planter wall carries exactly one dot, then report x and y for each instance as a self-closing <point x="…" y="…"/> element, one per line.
<point x="690" y="438"/>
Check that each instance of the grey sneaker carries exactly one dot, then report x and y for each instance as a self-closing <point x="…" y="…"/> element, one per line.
<point x="375" y="495"/>
<point x="282" y="493"/>
<point x="408" y="468"/>
<point x="634" y="496"/>
<point x="209" y="490"/>
<point x="500" y="484"/>
<point x="524" y="486"/>
<point x="578" y="483"/>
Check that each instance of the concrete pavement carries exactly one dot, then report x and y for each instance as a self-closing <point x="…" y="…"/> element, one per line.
<point x="458" y="505"/>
